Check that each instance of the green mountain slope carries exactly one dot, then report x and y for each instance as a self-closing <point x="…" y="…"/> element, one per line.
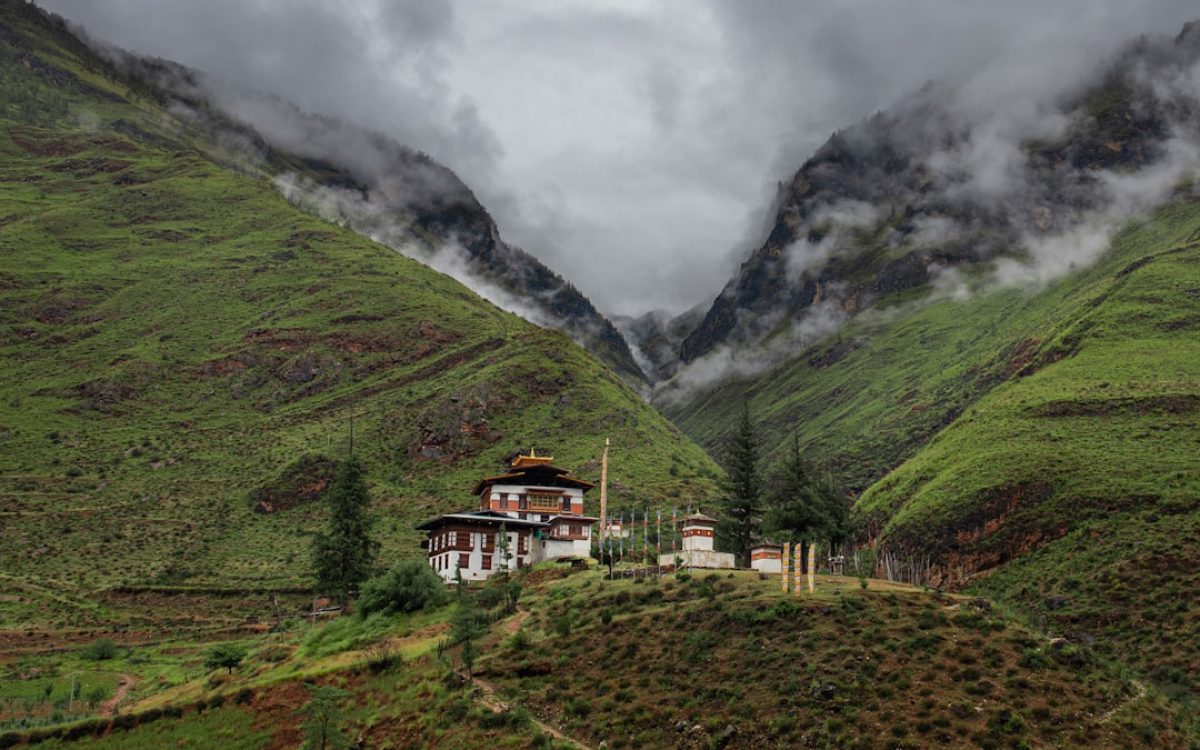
<point x="1088" y="463"/>
<point x="1045" y="437"/>
<point x="183" y="348"/>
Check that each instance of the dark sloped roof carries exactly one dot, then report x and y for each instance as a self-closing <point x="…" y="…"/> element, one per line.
<point x="488" y="517"/>
<point x="540" y="475"/>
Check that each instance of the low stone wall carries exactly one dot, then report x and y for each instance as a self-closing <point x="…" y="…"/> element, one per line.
<point x="699" y="559"/>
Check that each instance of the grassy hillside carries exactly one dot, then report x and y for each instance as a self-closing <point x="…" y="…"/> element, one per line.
<point x="183" y="348"/>
<point x="710" y="660"/>
<point x="1049" y="434"/>
<point x="397" y="692"/>
<point x="866" y="398"/>
<point x="727" y="660"/>
<point x="1088" y="463"/>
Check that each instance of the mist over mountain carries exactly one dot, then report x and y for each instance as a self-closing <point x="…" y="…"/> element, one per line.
<point x="385" y="190"/>
<point x="957" y="189"/>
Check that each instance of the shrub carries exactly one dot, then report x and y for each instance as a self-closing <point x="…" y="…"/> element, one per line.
<point x="227" y="655"/>
<point x="1033" y="658"/>
<point x="381" y="658"/>
<point x="124" y="721"/>
<point x="150" y="715"/>
<point x="490" y="596"/>
<point x="410" y="586"/>
<point x="519" y="640"/>
<point x="244" y="696"/>
<point x="606" y="616"/>
<point x="101" y="650"/>
<point x="274" y="653"/>
<point x="578" y="707"/>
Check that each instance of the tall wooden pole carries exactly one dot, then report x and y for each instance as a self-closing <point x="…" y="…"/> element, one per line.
<point x="812" y="566"/>
<point x="785" y="563"/>
<point x="604" y="493"/>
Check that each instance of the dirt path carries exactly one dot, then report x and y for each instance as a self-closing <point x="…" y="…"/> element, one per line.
<point x="109" y="707"/>
<point x="485" y="694"/>
<point x="1139" y="687"/>
<point x="514" y="623"/>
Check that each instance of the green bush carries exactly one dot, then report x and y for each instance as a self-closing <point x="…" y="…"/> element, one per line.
<point x="519" y="641"/>
<point x="227" y="655"/>
<point x="101" y="650"/>
<point x="410" y="586"/>
<point x="578" y="707"/>
<point x="1033" y="658"/>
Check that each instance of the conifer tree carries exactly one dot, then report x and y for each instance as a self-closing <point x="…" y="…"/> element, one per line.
<point x="794" y="512"/>
<point x="741" y="490"/>
<point x="467" y="625"/>
<point x="322" y="719"/>
<point x="804" y="507"/>
<point x="834" y="510"/>
<point x="344" y="555"/>
<point x="503" y="553"/>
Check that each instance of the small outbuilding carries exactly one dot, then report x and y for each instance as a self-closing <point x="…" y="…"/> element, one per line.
<point x="766" y="557"/>
<point x="698" y="531"/>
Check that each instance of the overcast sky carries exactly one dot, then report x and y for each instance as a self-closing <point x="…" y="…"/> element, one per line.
<point x="633" y="146"/>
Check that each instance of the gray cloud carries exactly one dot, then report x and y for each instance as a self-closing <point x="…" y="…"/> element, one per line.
<point x="633" y="147"/>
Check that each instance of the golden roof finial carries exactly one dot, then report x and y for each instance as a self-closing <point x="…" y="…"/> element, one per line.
<point x="533" y="459"/>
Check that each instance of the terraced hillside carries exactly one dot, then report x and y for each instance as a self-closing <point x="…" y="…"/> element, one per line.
<point x="184" y="351"/>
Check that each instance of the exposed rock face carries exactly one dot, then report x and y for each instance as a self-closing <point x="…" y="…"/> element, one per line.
<point x="302" y="482"/>
<point x="454" y="428"/>
<point x="891" y="203"/>
<point x="657" y="339"/>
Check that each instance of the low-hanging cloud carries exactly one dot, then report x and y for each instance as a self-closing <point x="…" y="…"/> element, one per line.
<point x="376" y="217"/>
<point x="633" y="147"/>
<point x="1031" y="186"/>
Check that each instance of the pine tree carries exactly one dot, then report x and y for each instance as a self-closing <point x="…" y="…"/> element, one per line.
<point x="344" y="556"/>
<point x="741" y="490"/>
<point x="502" y="548"/>
<point x="834" y="510"/>
<point x="322" y="717"/>
<point x="794" y="510"/>
<point x="467" y="625"/>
